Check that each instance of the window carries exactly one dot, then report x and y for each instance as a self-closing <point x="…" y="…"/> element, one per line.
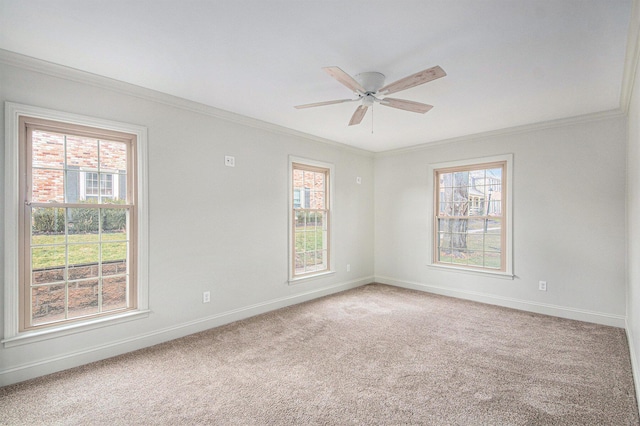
<point x="471" y="221"/>
<point x="78" y="223"/>
<point x="77" y="250"/>
<point x="93" y="186"/>
<point x="310" y="218"/>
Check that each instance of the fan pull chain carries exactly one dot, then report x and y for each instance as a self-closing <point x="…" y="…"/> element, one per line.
<point x="371" y="119"/>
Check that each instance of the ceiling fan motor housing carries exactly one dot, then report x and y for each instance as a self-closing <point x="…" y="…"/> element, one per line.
<point x="370" y="81"/>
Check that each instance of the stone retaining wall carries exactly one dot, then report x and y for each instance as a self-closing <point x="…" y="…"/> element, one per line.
<point x="48" y="301"/>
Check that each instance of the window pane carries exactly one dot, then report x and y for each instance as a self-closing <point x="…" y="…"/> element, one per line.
<point x="458" y="228"/>
<point x="47" y="303"/>
<point x="300" y="241"/>
<point x="310" y="262"/>
<point x="47" y="226"/>
<point x="48" y="257"/>
<point x="319" y="181"/>
<point x="493" y="242"/>
<point x="73" y="193"/>
<point x="309" y="179"/>
<point x="82" y="254"/>
<point x="492" y="260"/>
<point x="112" y="252"/>
<point x="298" y="179"/>
<point x="310" y="239"/>
<point x="106" y="185"/>
<point x="114" y="293"/>
<point x="321" y="259"/>
<point x="48" y="150"/>
<point x="114" y="267"/>
<point x="444" y="240"/>
<point x="113" y="224"/>
<point x="83" y="224"/>
<point x="299" y="263"/>
<point x="113" y="156"/>
<point x="445" y="255"/>
<point x="91" y="185"/>
<point x="82" y="152"/>
<point x="459" y="257"/>
<point x="494" y="226"/>
<point x="476" y="225"/>
<point x="475" y="241"/>
<point x="461" y="180"/>
<point x="446" y="180"/>
<point x="317" y="200"/>
<point x="113" y="188"/>
<point x="476" y="258"/>
<point x="47" y="186"/>
<point x="47" y="276"/>
<point x="83" y="298"/>
<point x="80" y="271"/>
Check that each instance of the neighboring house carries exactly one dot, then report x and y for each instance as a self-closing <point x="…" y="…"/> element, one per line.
<point x="482" y="193"/>
<point x="87" y="177"/>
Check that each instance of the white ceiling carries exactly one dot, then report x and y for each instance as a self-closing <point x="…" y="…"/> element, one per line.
<point x="509" y="62"/>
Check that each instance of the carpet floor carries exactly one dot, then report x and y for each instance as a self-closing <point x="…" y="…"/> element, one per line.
<point x="375" y="355"/>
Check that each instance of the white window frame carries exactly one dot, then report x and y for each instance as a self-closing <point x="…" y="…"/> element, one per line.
<point x="12" y="335"/>
<point x="508" y="214"/>
<point x="291" y="237"/>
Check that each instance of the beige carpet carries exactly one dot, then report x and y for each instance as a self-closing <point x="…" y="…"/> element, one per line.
<point x="369" y="356"/>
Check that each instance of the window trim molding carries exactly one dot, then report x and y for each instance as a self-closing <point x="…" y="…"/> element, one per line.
<point x="13" y="112"/>
<point x="290" y="246"/>
<point x="508" y="159"/>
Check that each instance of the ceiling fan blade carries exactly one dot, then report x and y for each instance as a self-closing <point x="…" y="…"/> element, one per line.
<point x="344" y="78"/>
<point x="413" y="80"/>
<point x="317" y="104"/>
<point x="357" y="116"/>
<point x="406" y="105"/>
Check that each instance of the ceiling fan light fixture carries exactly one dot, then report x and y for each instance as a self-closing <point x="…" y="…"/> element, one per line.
<point x="368" y="100"/>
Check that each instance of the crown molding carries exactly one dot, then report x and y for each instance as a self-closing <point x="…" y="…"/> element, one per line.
<point x="526" y="128"/>
<point x="71" y="74"/>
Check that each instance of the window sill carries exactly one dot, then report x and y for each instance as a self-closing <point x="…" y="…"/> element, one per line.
<point x="477" y="272"/>
<point x="310" y="277"/>
<point x="67" y="329"/>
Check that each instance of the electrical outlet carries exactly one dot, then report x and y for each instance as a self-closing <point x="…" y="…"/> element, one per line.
<point x="542" y="285"/>
<point x="358" y="180"/>
<point x="206" y="297"/>
<point x="229" y="161"/>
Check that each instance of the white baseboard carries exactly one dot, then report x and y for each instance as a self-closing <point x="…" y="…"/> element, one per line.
<point x="508" y="302"/>
<point x="635" y="368"/>
<point x="96" y="353"/>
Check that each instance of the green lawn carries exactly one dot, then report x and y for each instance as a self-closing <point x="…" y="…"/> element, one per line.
<point x="481" y="250"/>
<point x="49" y="250"/>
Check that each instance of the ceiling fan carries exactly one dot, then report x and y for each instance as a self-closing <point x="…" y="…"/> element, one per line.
<point x="369" y="87"/>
